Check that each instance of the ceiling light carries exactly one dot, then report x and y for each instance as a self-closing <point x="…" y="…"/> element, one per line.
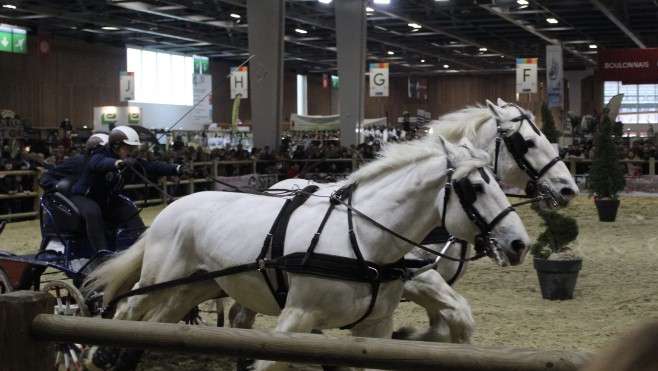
<point x="551" y="20"/>
<point x="593" y="46"/>
<point x="299" y="30"/>
<point x="369" y="9"/>
<point x="415" y="26"/>
<point x="422" y="61"/>
<point x="483" y="49"/>
<point x="390" y="52"/>
<point x="9" y="6"/>
<point x="522" y="2"/>
<point x="446" y="66"/>
<point x="109" y="28"/>
<point x="233" y="15"/>
<point x="382" y="1"/>
<point x="325" y="1"/>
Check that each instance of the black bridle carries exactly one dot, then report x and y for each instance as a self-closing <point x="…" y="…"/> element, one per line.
<point x="485" y="244"/>
<point x="518" y="148"/>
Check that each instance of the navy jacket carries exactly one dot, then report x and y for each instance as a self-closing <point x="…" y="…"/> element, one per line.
<point x="101" y="180"/>
<point x="69" y="168"/>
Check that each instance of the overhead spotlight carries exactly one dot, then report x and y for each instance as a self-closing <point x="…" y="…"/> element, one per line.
<point x="382" y="1"/>
<point x="369" y="9"/>
<point x="9" y="6"/>
<point x="109" y="28"/>
<point x="522" y="2"/>
<point x="593" y="46"/>
<point x="551" y="20"/>
<point x="390" y="53"/>
<point x="422" y="61"/>
<point x="415" y="26"/>
<point x="483" y="49"/>
<point x="299" y="30"/>
<point x="446" y="66"/>
<point x="325" y="1"/>
<point x="236" y="16"/>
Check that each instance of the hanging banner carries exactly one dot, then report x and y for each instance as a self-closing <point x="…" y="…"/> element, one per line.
<point x="554" y="76"/>
<point x="126" y="86"/>
<point x="235" y="114"/>
<point x="526" y="75"/>
<point x="202" y="94"/>
<point x="201" y="65"/>
<point x="417" y="88"/>
<point x="379" y="79"/>
<point x="630" y="66"/>
<point x="239" y="82"/>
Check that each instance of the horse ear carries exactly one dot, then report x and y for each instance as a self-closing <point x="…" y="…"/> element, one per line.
<point x="495" y="110"/>
<point x="501" y="103"/>
<point x="464" y="142"/>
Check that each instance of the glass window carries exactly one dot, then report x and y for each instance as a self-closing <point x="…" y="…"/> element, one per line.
<point x="161" y="77"/>
<point x="640" y="103"/>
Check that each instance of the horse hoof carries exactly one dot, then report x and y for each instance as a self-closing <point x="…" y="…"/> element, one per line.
<point x="245" y="364"/>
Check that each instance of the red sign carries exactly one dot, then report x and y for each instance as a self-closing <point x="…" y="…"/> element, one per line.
<point x="630" y="66"/>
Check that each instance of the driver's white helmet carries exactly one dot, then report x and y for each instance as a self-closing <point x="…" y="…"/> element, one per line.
<point x="123" y="134"/>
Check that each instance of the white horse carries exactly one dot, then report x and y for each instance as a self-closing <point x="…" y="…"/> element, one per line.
<point x="405" y="190"/>
<point x="523" y="158"/>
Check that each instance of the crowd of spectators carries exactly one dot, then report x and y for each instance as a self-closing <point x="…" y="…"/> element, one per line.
<point x="636" y="150"/>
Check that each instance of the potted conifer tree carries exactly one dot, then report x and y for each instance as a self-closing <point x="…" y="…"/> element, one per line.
<point x="556" y="263"/>
<point x="606" y="177"/>
<point x="548" y="124"/>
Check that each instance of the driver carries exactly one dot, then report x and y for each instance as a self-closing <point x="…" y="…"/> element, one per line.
<point x="107" y="171"/>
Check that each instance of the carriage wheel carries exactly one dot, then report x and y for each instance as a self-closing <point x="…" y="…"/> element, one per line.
<point x="70" y="302"/>
<point x="5" y="283"/>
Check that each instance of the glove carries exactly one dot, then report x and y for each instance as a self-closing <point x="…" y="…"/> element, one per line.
<point x="185" y="171"/>
<point x="129" y="162"/>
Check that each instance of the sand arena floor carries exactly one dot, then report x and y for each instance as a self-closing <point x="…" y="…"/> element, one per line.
<point x="617" y="288"/>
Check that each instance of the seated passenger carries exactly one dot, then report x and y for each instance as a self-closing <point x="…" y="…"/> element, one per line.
<point x="72" y="167"/>
<point x="106" y="172"/>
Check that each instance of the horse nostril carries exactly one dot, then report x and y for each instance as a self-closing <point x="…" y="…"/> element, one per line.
<point x="567" y="192"/>
<point x="518" y="246"/>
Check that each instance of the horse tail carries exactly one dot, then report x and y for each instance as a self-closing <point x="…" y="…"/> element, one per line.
<point x="119" y="274"/>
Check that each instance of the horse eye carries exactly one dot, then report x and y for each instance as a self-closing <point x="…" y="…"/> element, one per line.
<point x="530" y="143"/>
<point x="478" y="188"/>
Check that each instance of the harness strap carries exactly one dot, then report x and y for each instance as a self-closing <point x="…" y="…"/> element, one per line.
<point x="461" y="265"/>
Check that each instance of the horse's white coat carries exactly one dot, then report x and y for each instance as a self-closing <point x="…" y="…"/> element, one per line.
<point x="210" y="231"/>
<point x="449" y="314"/>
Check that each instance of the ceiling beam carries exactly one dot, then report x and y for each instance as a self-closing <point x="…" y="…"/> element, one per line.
<point x="618" y="23"/>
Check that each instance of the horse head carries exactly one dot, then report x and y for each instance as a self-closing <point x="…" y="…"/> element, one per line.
<point x="524" y="158"/>
<point x="477" y="210"/>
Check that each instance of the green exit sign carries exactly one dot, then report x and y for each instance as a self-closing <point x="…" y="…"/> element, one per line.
<point x="12" y="39"/>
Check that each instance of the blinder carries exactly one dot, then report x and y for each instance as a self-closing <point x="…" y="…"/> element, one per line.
<point x="518" y="148"/>
<point x="465" y="191"/>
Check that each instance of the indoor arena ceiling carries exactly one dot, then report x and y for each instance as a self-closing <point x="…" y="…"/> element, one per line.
<point x="425" y="36"/>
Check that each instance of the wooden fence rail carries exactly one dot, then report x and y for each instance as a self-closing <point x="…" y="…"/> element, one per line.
<point x="290" y="347"/>
<point x="216" y="168"/>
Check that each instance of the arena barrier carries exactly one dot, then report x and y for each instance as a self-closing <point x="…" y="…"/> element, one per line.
<point x="30" y="345"/>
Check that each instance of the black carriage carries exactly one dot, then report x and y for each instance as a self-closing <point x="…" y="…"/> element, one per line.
<point x="65" y="249"/>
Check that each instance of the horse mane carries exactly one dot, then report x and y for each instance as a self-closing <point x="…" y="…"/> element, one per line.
<point x="396" y="155"/>
<point x="463" y="123"/>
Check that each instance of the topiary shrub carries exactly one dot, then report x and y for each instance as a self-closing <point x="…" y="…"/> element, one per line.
<point x="606" y="177"/>
<point x="548" y="124"/>
<point x="560" y="231"/>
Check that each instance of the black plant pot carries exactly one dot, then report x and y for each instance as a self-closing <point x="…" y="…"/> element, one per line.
<point x="557" y="278"/>
<point x="607" y="209"/>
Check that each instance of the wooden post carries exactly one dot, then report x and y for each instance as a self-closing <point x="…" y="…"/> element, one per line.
<point x="20" y="350"/>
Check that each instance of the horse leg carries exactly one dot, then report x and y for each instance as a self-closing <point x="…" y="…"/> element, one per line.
<point x="450" y="316"/>
<point x="240" y="316"/>
<point x="290" y="320"/>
